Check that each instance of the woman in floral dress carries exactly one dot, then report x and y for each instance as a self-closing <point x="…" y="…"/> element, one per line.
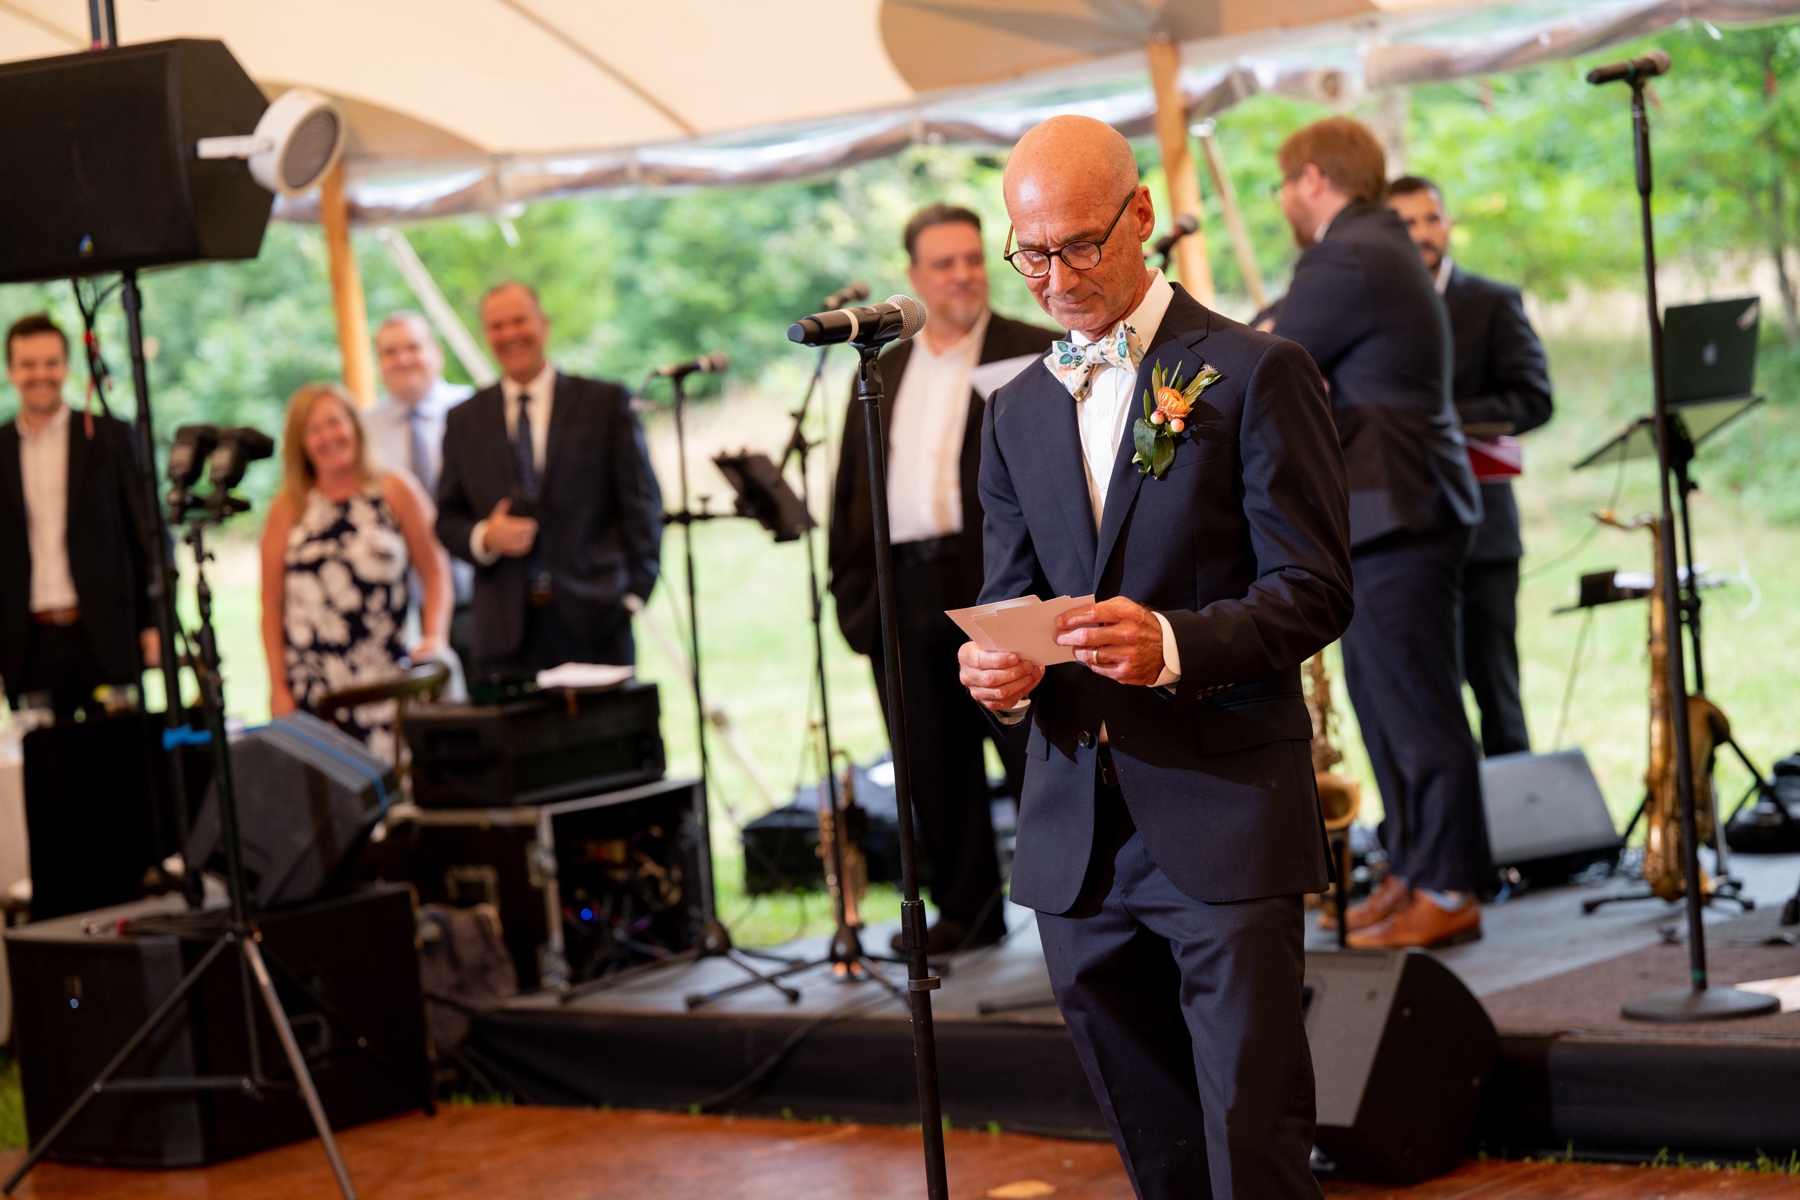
<point x="335" y="552"/>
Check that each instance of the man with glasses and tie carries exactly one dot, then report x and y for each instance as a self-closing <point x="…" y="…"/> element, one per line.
<point x="547" y="490"/>
<point x="407" y="430"/>
<point x="1184" y="469"/>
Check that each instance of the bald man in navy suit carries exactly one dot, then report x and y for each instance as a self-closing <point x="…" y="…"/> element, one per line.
<point x="1169" y="824"/>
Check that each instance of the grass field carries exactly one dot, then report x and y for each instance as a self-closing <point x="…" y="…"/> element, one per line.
<point x="757" y="655"/>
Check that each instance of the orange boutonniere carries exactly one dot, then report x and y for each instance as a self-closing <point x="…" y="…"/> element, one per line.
<point x="1167" y="405"/>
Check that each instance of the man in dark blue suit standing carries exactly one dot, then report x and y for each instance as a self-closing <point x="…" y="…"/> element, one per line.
<point x="1364" y="308"/>
<point x="1169" y="823"/>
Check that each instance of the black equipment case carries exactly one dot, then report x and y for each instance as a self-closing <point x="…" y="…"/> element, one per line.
<point x="545" y="747"/>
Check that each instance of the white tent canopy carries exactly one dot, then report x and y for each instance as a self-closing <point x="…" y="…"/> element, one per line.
<point x="474" y="105"/>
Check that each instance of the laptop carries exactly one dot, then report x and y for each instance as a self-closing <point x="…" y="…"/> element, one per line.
<point x="1709" y="350"/>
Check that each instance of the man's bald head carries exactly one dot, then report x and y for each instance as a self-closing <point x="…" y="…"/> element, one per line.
<point x="1071" y="153"/>
<point x="1073" y="179"/>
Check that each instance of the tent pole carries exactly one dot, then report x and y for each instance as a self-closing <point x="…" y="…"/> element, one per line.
<point x="346" y="288"/>
<point x="1234" y="216"/>
<point x="1178" y="166"/>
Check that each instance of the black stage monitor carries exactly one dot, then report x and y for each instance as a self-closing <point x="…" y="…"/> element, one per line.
<point x="1709" y="350"/>
<point x="99" y="164"/>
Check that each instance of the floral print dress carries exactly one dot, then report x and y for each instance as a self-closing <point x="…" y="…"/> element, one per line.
<point x="345" y="604"/>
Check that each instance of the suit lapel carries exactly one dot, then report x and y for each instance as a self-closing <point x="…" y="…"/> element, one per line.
<point x="79" y="455"/>
<point x="12" y="483"/>
<point x="1184" y="326"/>
<point x="1061" y="450"/>
<point x="492" y="417"/>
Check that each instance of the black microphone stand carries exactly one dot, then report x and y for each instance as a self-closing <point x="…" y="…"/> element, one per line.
<point x="711" y="939"/>
<point x="1699" y="1001"/>
<point x="920" y="982"/>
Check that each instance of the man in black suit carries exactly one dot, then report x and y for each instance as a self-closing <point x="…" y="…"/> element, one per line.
<point x="1169" y="825"/>
<point x="1502" y="379"/>
<point x="547" y="490"/>
<point x="934" y="513"/>
<point x="1364" y="308"/>
<point x="74" y="610"/>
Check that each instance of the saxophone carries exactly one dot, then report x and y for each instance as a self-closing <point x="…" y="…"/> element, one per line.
<point x="1663" y="870"/>
<point x="1339" y="798"/>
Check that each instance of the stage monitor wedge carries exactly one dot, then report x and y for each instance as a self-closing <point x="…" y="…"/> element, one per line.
<point x="100" y="164"/>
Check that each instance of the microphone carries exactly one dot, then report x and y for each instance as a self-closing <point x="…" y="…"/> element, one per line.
<point x="1632" y="69"/>
<point x="895" y="319"/>
<point x="707" y="364"/>
<point x="851" y="292"/>
<point x="1184" y="225"/>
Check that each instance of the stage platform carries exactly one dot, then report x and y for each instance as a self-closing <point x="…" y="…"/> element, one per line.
<point x="491" y="1153"/>
<point x="1574" y="1074"/>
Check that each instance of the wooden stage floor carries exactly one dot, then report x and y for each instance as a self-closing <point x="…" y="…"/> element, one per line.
<point x="575" y="1154"/>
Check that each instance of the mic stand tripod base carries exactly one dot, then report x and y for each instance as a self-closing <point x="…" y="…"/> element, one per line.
<point x="1688" y="1005"/>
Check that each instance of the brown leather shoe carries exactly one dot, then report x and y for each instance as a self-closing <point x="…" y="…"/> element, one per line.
<point x="1422" y="923"/>
<point x="1380" y="904"/>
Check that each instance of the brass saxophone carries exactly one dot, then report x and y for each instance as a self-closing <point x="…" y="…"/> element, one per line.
<point x="1706" y="725"/>
<point x="834" y="828"/>
<point x="1339" y="798"/>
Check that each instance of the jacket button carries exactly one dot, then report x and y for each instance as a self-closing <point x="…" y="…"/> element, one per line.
<point x="1085" y="740"/>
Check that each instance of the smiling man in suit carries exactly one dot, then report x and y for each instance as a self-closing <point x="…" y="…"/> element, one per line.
<point x="934" y="514"/>
<point x="547" y="490"/>
<point x="74" y="607"/>
<point x="1169" y="825"/>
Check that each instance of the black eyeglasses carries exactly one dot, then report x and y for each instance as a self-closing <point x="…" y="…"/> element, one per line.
<point x="1079" y="256"/>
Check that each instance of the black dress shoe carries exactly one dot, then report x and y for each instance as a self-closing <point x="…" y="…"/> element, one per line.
<point x="947" y="935"/>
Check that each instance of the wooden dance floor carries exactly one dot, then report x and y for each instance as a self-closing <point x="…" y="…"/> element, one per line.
<point x="475" y="1153"/>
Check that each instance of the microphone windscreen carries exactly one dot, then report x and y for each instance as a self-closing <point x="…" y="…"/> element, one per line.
<point x="1660" y="58"/>
<point x="912" y="315"/>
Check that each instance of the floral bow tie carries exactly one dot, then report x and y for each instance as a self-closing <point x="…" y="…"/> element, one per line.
<point x="1075" y="365"/>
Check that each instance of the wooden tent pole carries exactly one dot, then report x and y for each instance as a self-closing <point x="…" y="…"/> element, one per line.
<point x="1234" y="220"/>
<point x="1178" y="166"/>
<point x="346" y="288"/>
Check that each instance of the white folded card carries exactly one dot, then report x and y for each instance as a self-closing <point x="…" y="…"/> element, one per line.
<point x="584" y="675"/>
<point x="989" y="378"/>
<point x="1026" y="626"/>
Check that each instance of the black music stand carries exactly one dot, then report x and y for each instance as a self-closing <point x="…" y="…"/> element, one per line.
<point x="1690" y="423"/>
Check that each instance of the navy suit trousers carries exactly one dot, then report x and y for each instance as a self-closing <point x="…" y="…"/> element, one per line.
<point x="1187" y="1019"/>
<point x="1404" y="675"/>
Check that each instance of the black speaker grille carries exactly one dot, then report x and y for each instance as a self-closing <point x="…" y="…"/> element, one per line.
<point x="309" y="150"/>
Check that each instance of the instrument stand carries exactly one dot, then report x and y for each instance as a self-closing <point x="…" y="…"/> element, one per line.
<point x="712" y="940"/>
<point x="1698" y="1001"/>
<point x="848" y="961"/>
<point x="240" y="936"/>
<point x="919" y="981"/>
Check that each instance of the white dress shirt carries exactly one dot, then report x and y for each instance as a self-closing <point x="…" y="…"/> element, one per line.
<point x="44" y="472"/>
<point x="925" y="439"/>
<point x="539" y="395"/>
<point x="1445" y="266"/>
<point x="390" y="431"/>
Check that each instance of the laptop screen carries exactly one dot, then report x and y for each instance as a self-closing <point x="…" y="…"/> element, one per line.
<point x="1709" y="350"/>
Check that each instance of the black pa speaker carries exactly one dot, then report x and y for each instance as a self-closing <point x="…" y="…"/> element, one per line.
<point x="347" y="973"/>
<point x="100" y="165"/>
<point x="308" y="795"/>
<point x="1401" y="1053"/>
<point x="1545" y="814"/>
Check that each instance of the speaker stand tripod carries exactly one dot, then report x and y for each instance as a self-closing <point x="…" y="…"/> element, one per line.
<point x="240" y="937"/>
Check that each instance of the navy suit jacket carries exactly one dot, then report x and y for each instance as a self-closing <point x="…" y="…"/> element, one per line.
<point x="1243" y="546"/>
<point x="599" y="509"/>
<point x="1501" y="376"/>
<point x="1363" y="306"/>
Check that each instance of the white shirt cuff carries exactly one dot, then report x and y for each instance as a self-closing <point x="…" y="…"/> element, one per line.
<point x="1171" y="672"/>
<point x="1012" y="716"/>
<point x="483" y="556"/>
